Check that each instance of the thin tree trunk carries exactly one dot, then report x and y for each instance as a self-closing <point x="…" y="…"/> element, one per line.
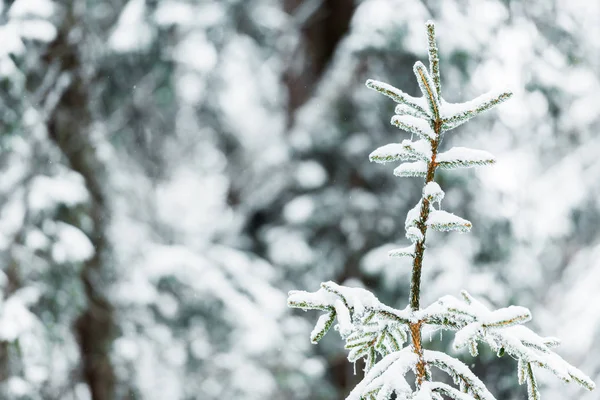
<point x="69" y="127"/>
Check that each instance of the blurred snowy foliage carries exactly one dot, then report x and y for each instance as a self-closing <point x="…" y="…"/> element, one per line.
<point x="182" y="164"/>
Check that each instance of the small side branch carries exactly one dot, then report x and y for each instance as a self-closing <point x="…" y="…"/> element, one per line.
<point x="434" y="59"/>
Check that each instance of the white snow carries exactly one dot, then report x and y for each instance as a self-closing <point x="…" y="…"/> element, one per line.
<point x="326" y="296"/>
<point x="330" y="292"/>
<point x="132" y="32"/>
<point x="36" y="240"/>
<point x="427" y="88"/>
<point x="464" y="157"/>
<point x="397" y="95"/>
<point x="15" y="319"/>
<point x="438" y="387"/>
<point x="451" y="364"/>
<point x="508" y="316"/>
<point x="11" y="42"/>
<point x="499" y="330"/>
<point x="464" y="336"/>
<point x="433" y="192"/>
<point x="414" y="234"/>
<point x="408" y="251"/>
<point x="413" y="215"/>
<point x="451" y="110"/>
<point x="412" y="169"/>
<point x="407" y="150"/>
<point x="444" y="221"/>
<point x="31" y="8"/>
<point x="415" y="125"/>
<point x="19" y="387"/>
<point x="421" y="147"/>
<point x="201" y="198"/>
<point x="389" y="373"/>
<point x="299" y="210"/>
<point x="49" y="192"/>
<point x="343" y="317"/>
<point x="197" y="53"/>
<point x="310" y="174"/>
<point x="404" y="109"/>
<point x="390" y="152"/>
<point x="36" y="29"/>
<point x="174" y="13"/>
<point x="72" y="245"/>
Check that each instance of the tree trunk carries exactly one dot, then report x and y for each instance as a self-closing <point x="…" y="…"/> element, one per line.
<point x="69" y="127"/>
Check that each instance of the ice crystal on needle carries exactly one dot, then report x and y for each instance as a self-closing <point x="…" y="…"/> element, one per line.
<point x="390" y="340"/>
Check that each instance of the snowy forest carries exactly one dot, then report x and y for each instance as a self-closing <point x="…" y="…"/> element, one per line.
<point x="171" y="169"/>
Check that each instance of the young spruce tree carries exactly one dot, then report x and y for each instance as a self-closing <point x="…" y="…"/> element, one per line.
<point x="390" y="339"/>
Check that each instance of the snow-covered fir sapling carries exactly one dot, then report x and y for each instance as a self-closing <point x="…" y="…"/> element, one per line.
<point x="389" y="339"/>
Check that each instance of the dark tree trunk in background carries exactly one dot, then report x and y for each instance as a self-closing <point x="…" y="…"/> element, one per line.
<point x="69" y="127"/>
<point x="321" y="33"/>
<point x="320" y="36"/>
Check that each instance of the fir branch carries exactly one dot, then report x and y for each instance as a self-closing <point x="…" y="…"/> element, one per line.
<point x="462" y="157"/>
<point x="403" y="109"/>
<point x="428" y="89"/>
<point x="371" y="328"/>
<point x="458" y="370"/>
<point x="454" y="115"/>
<point x="521" y="371"/>
<point x="408" y="251"/>
<point x="412" y="169"/>
<point x="415" y="125"/>
<point x="444" y="221"/>
<point x="322" y="327"/>
<point x="434" y="60"/>
<point x="396" y="94"/>
<point x="500" y="329"/>
<point x="532" y="388"/>
<point x="433" y="192"/>
<point x="392" y="152"/>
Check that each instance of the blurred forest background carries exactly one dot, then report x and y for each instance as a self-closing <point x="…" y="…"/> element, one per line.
<point x="169" y="169"/>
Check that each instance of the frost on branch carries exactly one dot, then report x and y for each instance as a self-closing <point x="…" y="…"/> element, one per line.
<point x="414" y="125"/>
<point x="428" y="89"/>
<point x="443" y="221"/>
<point x="417" y="168"/>
<point x="372" y="329"/>
<point x="433" y="192"/>
<point x="502" y="331"/>
<point x="414" y="214"/>
<point x="389" y="153"/>
<point x="414" y="234"/>
<point x="454" y="115"/>
<point x="420" y="149"/>
<point x="408" y="251"/>
<point x="434" y="60"/>
<point x="460" y="373"/>
<point x="368" y="326"/>
<point x="429" y="390"/>
<point x="403" y="109"/>
<point x="398" y="96"/>
<point x="462" y="157"/>
<point x="405" y="151"/>
<point x="388" y="378"/>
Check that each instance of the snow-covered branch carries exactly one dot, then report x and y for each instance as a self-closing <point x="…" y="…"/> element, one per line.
<point x="368" y="326"/>
<point x="502" y="330"/>
<point x="371" y="328"/>
<point x="462" y="157"/>
<point x="414" y="125"/>
<point x="454" y="115"/>
<point x="397" y="95"/>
